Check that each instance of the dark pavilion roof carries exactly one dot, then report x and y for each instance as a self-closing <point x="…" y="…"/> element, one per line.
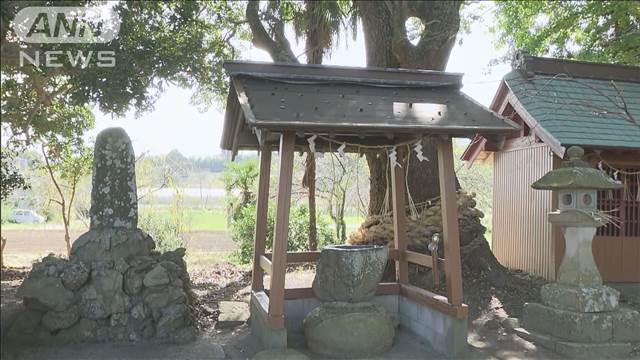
<point x="363" y="105"/>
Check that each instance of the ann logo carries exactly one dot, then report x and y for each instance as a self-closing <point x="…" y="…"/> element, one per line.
<point x="66" y="24"/>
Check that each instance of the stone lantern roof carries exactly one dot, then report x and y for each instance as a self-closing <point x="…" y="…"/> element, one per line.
<point x="575" y="174"/>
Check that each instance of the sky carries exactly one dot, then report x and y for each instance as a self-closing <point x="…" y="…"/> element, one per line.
<point x="175" y="123"/>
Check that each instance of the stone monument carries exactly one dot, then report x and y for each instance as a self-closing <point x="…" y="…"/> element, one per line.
<point x="580" y="316"/>
<point x="347" y="324"/>
<point x="114" y="287"/>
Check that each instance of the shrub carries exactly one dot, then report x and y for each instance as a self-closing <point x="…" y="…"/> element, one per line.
<point x="243" y="230"/>
<point x="163" y="230"/>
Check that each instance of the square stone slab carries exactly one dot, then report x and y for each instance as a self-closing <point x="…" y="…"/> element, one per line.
<point x="232" y="314"/>
<point x="568" y="325"/>
<point x="580" y="298"/>
<point x="574" y="350"/>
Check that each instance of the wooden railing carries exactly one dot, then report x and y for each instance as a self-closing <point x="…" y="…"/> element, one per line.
<point x="421" y="296"/>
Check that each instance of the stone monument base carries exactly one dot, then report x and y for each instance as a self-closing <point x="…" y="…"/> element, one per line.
<point x="341" y="329"/>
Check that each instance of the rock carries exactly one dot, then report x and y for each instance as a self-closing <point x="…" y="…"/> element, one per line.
<point x="47" y="292"/>
<point x="56" y="320"/>
<point x="158" y="299"/>
<point x="232" y="314"/>
<point x="184" y="335"/>
<point x="289" y="354"/>
<point x="349" y="330"/>
<point x="173" y="318"/>
<point x="114" y="199"/>
<point x="158" y="276"/>
<point x="84" y="330"/>
<point x="580" y="298"/>
<point x="25" y="324"/>
<point x="119" y="319"/>
<point x="349" y="273"/>
<point x="103" y="296"/>
<point x="74" y="275"/>
<point x="626" y="325"/>
<point x="492" y="324"/>
<point x="139" y="311"/>
<point x="134" y="277"/>
<point x="110" y="244"/>
<point x="510" y="323"/>
<point x="121" y="265"/>
<point x="175" y="256"/>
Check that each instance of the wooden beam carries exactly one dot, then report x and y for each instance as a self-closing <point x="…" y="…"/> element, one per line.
<point x="421" y="259"/>
<point x="303" y="257"/>
<point x="261" y="299"/>
<point x="434" y="301"/>
<point x="299" y="256"/>
<point x="262" y="205"/>
<point x="281" y="228"/>
<point x="265" y="265"/>
<point x="307" y="293"/>
<point x="451" y="233"/>
<point x="399" y="215"/>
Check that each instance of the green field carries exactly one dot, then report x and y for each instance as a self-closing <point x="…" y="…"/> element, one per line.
<point x="195" y="220"/>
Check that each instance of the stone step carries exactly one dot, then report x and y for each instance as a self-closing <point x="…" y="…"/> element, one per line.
<point x="574" y="350"/>
<point x="232" y="314"/>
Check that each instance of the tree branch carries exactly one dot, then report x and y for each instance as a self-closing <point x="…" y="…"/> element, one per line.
<point x="278" y="47"/>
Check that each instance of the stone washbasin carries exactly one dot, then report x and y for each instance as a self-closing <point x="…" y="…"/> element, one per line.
<point x="349" y="273"/>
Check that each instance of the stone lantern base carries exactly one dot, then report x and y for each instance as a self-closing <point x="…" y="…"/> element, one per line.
<point x="580" y="298"/>
<point x="581" y="322"/>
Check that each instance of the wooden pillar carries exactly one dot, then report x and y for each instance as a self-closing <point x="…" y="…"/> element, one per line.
<point x="262" y="207"/>
<point x="451" y="233"/>
<point x="398" y="186"/>
<point x="281" y="231"/>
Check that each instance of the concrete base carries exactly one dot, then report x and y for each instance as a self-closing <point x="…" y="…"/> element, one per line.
<point x="271" y="339"/>
<point x="621" y="325"/>
<point x="575" y="350"/>
<point x="444" y="333"/>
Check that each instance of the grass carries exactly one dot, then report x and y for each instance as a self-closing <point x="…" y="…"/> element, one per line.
<point x="197" y="220"/>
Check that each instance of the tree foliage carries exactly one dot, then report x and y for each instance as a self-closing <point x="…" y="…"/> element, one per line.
<point x="159" y="43"/>
<point x="600" y="31"/>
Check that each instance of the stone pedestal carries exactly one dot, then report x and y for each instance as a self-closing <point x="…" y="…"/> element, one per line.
<point x="349" y="329"/>
<point x="347" y="324"/>
<point x="580" y="298"/>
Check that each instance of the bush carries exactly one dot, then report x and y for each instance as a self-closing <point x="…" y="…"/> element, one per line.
<point x="243" y="230"/>
<point x="165" y="232"/>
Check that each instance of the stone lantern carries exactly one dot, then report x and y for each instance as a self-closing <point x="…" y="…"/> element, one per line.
<point x="580" y="316"/>
<point x="579" y="286"/>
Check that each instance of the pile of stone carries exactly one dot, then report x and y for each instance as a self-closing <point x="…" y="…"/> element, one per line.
<point x="348" y="324"/>
<point x="115" y="287"/>
<point x="378" y="230"/>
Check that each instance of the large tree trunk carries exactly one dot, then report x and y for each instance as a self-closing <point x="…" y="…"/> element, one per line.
<point x="387" y="46"/>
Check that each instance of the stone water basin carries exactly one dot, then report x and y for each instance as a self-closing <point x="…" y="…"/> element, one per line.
<point x="349" y="273"/>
